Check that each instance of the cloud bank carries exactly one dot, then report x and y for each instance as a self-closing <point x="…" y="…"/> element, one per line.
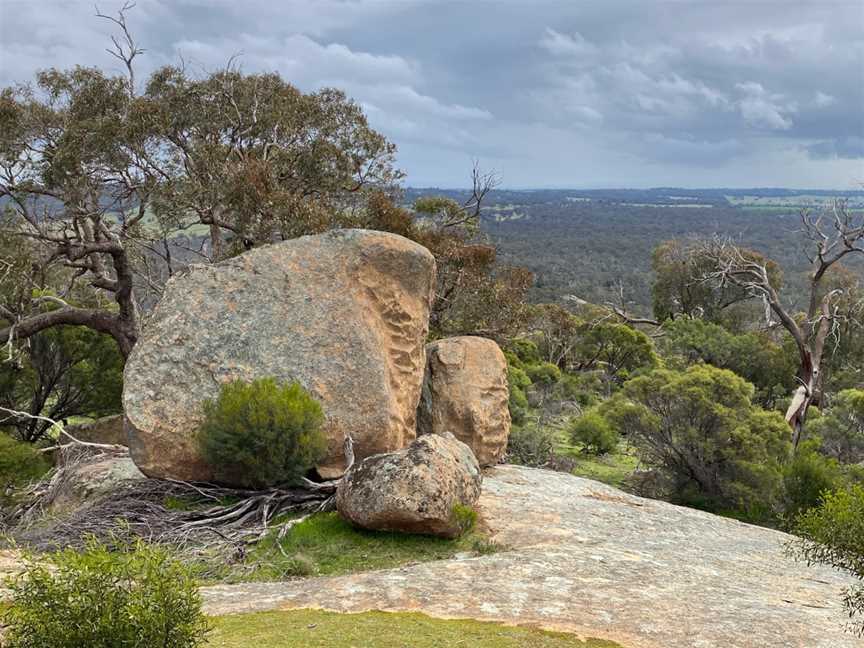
<point x="618" y="93"/>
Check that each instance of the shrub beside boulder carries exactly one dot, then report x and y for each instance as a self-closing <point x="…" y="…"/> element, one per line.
<point x="262" y="434"/>
<point x="344" y="313"/>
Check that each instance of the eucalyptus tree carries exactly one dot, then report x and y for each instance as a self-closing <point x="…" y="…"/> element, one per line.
<point x="834" y="314"/>
<point x="102" y="177"/>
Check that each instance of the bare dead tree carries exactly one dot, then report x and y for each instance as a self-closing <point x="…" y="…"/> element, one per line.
<point x="620" y="311"/>
<point x="127" y="50"/>
<point x="450" y="214"/>
<point x="831" y="235"/>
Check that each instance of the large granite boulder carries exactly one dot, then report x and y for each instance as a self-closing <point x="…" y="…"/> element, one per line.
<point x="344" y="313"/>
<point x="465" y="392"/>
<point x="424" y="488"/>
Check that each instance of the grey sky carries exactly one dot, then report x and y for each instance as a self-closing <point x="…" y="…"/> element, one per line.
<point x="550" y="94"/>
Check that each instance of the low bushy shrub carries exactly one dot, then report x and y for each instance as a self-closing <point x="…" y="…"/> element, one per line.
<point x="135" y="598"/>
<point x="806" y="478"/>
<point x="544" y="373"/>
<point x="465" y="518"/>
<point x="518" y="381"/>
<point x="593" y="433"/>
<point x="262" y="433"/>
<point x="19" y="462"/>
<point x="584" y="388"/>
<point x="525" y="350"/>
<point x="530" y="445"/>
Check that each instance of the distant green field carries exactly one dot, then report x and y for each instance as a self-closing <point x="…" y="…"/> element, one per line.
<point x="796" y="202"/>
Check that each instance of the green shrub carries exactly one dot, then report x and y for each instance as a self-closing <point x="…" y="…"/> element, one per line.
<point x="262" y="433"/>
<point x="525" y="350"/>
<point x="833" y="534"/>
<point x="530" y="445"/>
<point x="517" y="381"/>
<point x="700" y="430"/>
<point x="544" y="373"/>
<point x="584" y="388"/>
<point x="806" y="478"/>
<point x="19" y="462"/>
<point x="841" y="427"/>
<point x="136" y="598"/>
<point x="594" y="433"/>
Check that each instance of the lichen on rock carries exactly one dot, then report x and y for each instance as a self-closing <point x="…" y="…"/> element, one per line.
<point x="344" y="313"/>
<point x="465" y="393"/>
<point x="419" y="489"/>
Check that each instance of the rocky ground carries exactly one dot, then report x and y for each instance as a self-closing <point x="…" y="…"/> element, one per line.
<point x="587" y="558"/>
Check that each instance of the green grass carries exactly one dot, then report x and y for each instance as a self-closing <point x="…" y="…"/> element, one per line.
<point x="613" y="468"/>
<point x="324" y="544"/>
<point x="318" y="629"/>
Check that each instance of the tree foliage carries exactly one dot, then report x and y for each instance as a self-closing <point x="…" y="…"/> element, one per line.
<point x="841" y="427"/>
<point x="103" y="177"/>
<point x="754" y="356"/>
<point x="833" y="534"/>
<point x="699" y="428"/>
<point x="617" y="349"/>
<point x="60" y="373"/>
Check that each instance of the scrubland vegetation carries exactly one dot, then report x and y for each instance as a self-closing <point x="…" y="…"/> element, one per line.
<point x="727" y="378"/>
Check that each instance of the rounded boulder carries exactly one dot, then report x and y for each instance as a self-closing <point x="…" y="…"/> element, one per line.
<point x="424" y="488"/>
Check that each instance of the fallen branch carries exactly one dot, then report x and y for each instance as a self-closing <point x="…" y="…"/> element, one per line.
<point x="61" y="432"/>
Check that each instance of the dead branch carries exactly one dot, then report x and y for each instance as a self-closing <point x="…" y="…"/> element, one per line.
<point x="210" y="521"/>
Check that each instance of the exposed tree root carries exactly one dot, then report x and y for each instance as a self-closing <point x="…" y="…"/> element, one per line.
<point x="199" y="520"/>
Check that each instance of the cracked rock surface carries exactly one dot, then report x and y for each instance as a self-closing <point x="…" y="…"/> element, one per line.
<point x="585" y="557"/>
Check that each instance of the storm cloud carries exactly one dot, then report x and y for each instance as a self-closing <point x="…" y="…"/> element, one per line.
<point x="566" y="94"/>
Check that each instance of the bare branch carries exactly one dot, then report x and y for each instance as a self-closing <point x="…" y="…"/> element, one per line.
<point x="127" y="50"/>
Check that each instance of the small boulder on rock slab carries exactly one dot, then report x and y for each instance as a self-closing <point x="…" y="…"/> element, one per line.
<point x="465" y="392"/>
<point x="422" y="489"/>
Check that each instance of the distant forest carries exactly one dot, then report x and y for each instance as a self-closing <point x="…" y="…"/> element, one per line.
<point x="583" y="244"/>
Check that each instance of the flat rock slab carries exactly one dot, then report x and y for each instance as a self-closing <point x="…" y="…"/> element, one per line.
<point x="587" y="558"/>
